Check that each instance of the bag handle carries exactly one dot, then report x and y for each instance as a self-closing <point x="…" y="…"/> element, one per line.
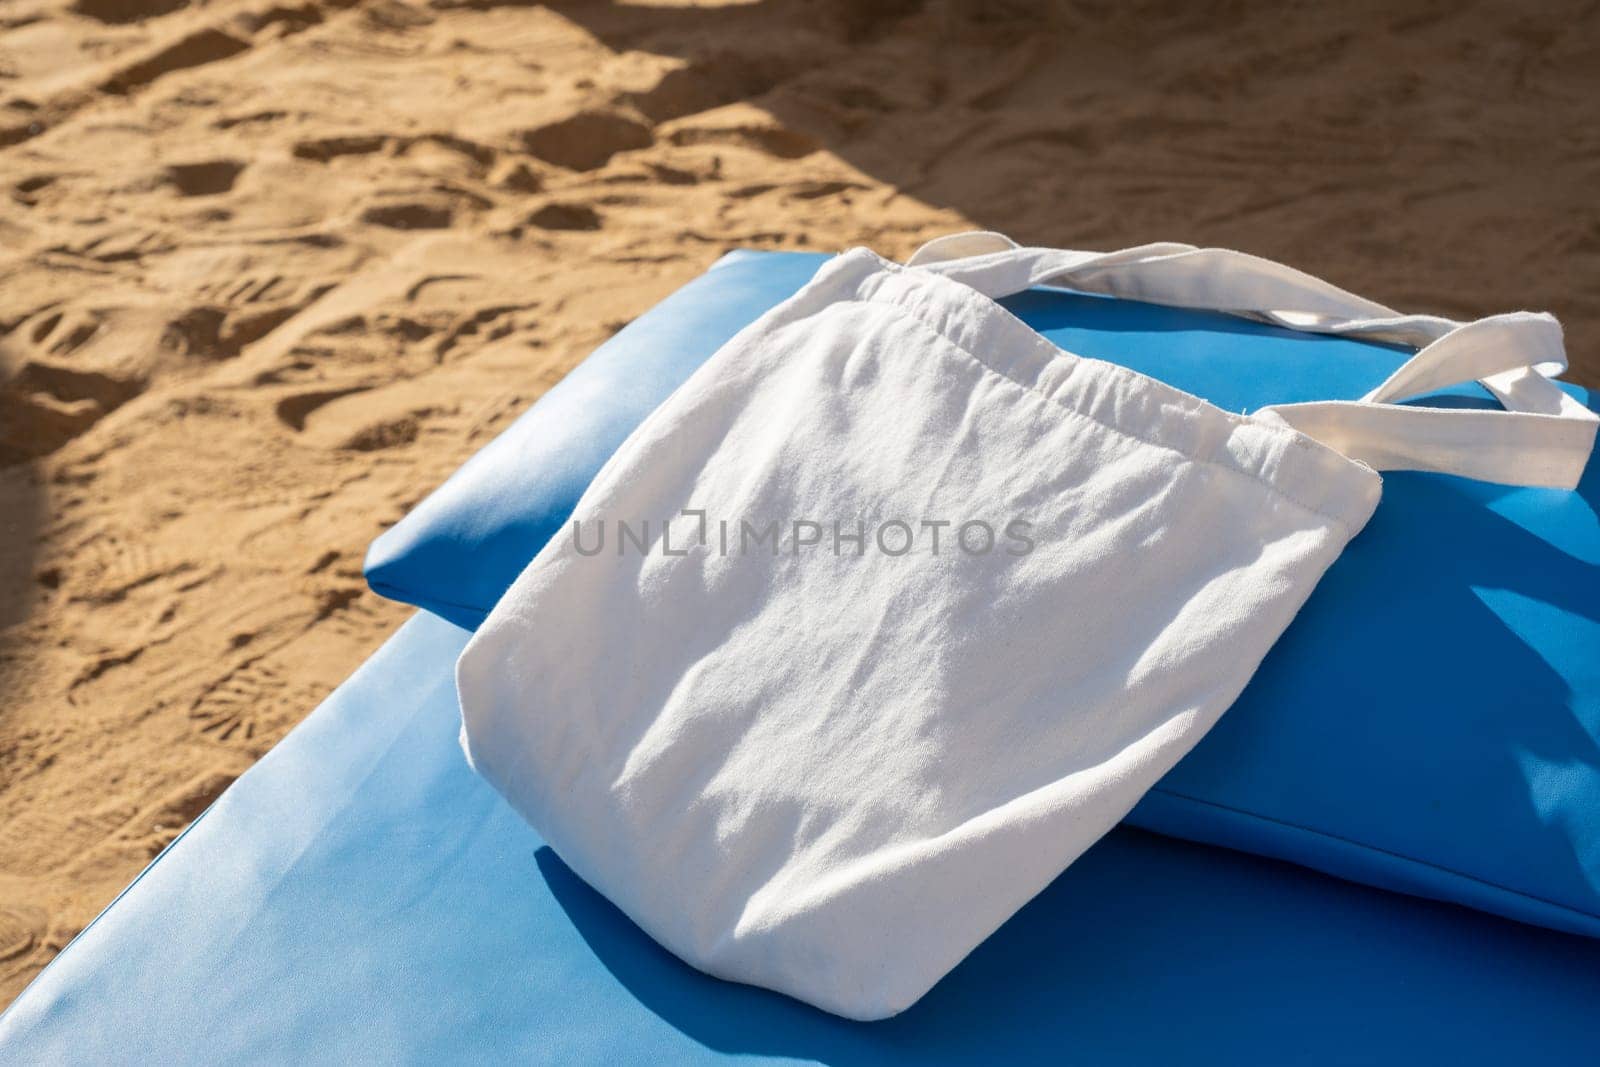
<point x="1544" y="437"/>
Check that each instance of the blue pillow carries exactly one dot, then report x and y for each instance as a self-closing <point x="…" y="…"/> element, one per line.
<point x="1430" y="723"/>
<point x="462" y="547"/>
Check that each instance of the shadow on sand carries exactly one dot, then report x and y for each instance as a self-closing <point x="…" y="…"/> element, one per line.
<point x="21" y="515"/>
<point x="1368" y="143"/>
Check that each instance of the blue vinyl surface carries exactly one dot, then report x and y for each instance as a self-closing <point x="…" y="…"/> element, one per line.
<point x="360" y="896"/>
<point x="1430" y="723"/>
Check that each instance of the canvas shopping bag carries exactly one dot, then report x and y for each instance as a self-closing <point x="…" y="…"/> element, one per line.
<point x="894" y="608"/>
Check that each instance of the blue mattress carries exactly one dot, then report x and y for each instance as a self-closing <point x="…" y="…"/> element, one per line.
<point x="361" y="896"/>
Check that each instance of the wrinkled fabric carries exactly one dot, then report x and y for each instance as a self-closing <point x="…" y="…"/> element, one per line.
<point x="834" y="768"/>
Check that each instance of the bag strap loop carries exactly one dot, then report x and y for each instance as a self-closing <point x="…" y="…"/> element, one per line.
<point x="1544" y="437"/>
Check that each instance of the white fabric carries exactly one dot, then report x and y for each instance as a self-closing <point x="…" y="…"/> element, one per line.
<point x="832" y="771"/>
<point x="1543" y="438"/>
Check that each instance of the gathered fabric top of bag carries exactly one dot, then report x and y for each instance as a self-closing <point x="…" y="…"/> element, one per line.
<point x="1543" y="438"/>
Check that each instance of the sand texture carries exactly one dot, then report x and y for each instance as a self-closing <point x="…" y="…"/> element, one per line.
<point x="271" y="269"/>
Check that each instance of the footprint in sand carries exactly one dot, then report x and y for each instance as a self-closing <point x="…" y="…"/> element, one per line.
<point x="364" y="420"/>
<point x="27" y="191"/>
<point x="21" y="928"/>
<point x="194" y="49"/>
<point x="287" y="19"/>
<point x="587" y="140"/>
<point x="47" y="841"/>
<point x="430" y="213"/>
<point x="353" y="614"/>
<point x="161" y="825"/>
<point x="323" y="149"/>
<point x="703" y="84"/>
<point x="294" y="409"/>
<point x="122" y="245"/>
<point x="434" y="208"/>
<point x="107" y="569"/>
<point x="208" y="178"/>
<point x="64" y="369"/>
<point x="513" y="175"/>
<point x="565" y="216"/>
<point x="49" y="398"/>
<point x="59" y="332"/>
<point x="117" y="12"/>
<point x="741" y="126"/>
<point x="235" y="709"/>
<point x="481" y="155"/>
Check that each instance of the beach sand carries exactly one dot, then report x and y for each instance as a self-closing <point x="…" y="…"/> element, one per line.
<point x="271" y="269"/>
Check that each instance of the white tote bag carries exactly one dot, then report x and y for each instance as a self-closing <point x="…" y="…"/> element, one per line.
<point x="894" y="608"/>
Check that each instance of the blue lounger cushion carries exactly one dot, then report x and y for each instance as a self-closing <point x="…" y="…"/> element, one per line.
<point x="361" y="896"/>
<point x="1429" y="723"/>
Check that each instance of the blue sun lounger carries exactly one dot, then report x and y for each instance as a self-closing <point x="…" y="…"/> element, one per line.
<point x="360" y="895"/>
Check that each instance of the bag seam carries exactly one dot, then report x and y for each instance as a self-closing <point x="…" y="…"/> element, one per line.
<point x="1120" y="431"/>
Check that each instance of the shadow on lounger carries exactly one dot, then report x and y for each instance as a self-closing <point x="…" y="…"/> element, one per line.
<point x="1092" y="970"/>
